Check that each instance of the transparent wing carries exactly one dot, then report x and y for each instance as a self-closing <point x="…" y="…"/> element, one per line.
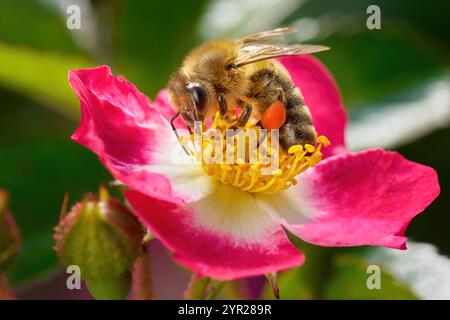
<point x="275" y="35"/>
<point x="253" y="52"/>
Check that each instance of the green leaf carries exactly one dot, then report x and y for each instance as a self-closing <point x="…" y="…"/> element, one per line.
<point x="409" y="14"/>
<point x="369" y="64"/>
<point x="41" y="75"/>
<point x="349" y="281"/>
<point x="36" y="24"/>
<point x="153" y="37"/>
<point x="381" y="63"/>
<point x="22" y="119"/>
<point x="36" y="259"/>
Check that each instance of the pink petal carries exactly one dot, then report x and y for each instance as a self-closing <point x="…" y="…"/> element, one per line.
<point x="216" y="245"/>
<point x="322" y="97"/>
<point x="165" y="108"/>
<point x="122" y="127"/>
<point x="365" y="198"/>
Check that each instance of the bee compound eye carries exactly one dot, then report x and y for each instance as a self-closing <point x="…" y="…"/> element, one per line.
<point x="199" y="94"/>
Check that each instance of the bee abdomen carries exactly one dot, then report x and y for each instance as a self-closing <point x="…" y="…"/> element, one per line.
<point x="298" y="128"/>
<point x="297" y="113"/>
<point x="296" y="134"/>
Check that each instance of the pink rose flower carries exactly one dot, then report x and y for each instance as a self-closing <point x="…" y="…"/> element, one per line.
<point x="223" y="232"/>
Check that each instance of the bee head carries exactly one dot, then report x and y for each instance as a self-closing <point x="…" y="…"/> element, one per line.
<point x="198" y="101"/>
<point x="189" y="98"/>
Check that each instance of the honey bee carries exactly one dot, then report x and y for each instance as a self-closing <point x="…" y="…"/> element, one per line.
<point x="244" y="74"/>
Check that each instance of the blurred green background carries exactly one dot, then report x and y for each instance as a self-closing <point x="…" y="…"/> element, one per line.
<point x="394" y="82"/>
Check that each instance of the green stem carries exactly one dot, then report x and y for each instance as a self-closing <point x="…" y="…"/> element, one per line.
<point x="197" y="288"/>
<point x="142" y="278"/>
<point x="273" y="280"/>
<point x="215" y="289"/>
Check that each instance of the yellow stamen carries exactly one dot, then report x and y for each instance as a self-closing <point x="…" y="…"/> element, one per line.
<point x="249" y="176"/>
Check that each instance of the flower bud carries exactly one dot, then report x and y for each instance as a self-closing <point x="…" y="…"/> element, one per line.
<point x="101" y="236"/>
<point x="116" y="288"/>
<point x="9" y="234"/>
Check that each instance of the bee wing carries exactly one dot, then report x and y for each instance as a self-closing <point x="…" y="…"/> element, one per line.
<point x="274" y="35"/>
<point x="254" y="52"/>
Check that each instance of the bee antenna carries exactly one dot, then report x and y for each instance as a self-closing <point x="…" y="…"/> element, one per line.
<point x="176" y="132"/>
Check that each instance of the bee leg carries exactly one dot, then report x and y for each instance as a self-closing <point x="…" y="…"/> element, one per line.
<point x="223" y="108"/>
<point x="242" y="120"/>
<point x="244" y="117"/>
<point x="262" y="134"/>
<point x="176" y="132"/>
